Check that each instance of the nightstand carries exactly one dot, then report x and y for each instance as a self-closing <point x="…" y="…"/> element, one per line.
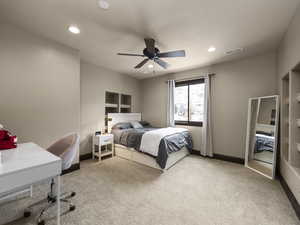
<point x="103" y="140"/>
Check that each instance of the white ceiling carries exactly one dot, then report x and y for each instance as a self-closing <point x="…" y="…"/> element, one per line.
<point x="193" y="25"/>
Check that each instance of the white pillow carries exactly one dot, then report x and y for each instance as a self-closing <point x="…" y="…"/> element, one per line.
<point x="136" y="125"/>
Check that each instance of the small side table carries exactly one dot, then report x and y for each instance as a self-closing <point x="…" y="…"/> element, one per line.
<point x="103" y="140"/>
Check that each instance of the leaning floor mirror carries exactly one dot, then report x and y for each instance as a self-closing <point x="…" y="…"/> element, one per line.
<point x="262" y="132"/>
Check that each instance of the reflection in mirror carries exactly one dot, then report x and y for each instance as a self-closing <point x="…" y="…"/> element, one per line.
<point x="262" y="135"/>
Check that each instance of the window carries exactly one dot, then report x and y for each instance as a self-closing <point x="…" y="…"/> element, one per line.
<point x="189" y="102"/>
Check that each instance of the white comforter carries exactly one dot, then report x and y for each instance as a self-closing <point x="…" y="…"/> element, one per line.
<point x="151" y="139"/>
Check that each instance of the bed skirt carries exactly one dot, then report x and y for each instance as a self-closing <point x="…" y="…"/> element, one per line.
<point x="142" y="158"/>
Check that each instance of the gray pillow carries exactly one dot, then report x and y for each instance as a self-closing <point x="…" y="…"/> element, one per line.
<point x="122" y="126"/>
<point x="136" y="125"/>
<point x="144" y="123"/>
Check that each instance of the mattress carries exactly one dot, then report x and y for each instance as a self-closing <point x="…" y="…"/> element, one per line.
<point x="132" y="138"/>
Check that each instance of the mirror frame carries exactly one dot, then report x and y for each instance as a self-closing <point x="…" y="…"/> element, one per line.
<point x="275" y="134"/>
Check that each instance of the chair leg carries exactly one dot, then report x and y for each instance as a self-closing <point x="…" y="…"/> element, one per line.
<point x="51" y="195"/>
<point x="51" y="200"/>
<point x="71" y="206"/>
<point x="68" y="195"/>
<point x="40" y="221"/>
<point x="27" y="211"/>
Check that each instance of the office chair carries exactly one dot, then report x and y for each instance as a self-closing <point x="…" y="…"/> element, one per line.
<point x="66" y="149"/>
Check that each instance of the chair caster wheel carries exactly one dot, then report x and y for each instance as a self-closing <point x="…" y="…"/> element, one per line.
<point x="73" y="194"/>
<point x="27" y="214"/>
<point x="41" y="222"/>
<point x="72" y="207"/>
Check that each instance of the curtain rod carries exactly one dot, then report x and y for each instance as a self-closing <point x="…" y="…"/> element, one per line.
<point x="193" y="78"/>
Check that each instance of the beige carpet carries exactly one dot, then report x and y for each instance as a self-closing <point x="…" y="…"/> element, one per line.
<point x="196" y="191"/>
<point x="265" y="156"/>
<point x="262" y="167"/>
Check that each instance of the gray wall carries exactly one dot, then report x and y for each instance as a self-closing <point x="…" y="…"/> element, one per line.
<point x="94" y="82"/>
<point x="232" y="85"/>
<point x="288" y="58"/>
<point x="39" y="87"/>
<point x="289" y="49"/>
<point x="265" y="110"/>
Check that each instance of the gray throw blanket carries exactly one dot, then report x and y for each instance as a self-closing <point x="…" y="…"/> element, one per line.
<point x="132" y="138"/>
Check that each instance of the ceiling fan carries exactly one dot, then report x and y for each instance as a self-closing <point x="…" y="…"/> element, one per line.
<point x="153" y="53"/>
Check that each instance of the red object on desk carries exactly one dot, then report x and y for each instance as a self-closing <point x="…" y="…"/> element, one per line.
<point x="7" y="141"/>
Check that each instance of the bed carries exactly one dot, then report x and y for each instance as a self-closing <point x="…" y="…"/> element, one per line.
<point x="264" y="142"/>
<point x="159" y="148"/>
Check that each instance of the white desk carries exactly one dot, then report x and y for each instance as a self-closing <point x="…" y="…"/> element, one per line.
<point x="26" y="165"/>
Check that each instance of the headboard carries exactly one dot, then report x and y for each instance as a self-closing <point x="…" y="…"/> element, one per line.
<point x="265" y="128"/>
<point x="114" y="118"/>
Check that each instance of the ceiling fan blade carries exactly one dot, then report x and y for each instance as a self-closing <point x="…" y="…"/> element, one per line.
<point x="150" y="44"/>
<point x="162" y="63"/>
<point x="179" y="53"/>
<point x="127" y="54"/>
<point x="141" y="64"/>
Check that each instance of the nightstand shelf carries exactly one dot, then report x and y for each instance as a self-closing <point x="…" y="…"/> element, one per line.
<point x="106" y="140"/>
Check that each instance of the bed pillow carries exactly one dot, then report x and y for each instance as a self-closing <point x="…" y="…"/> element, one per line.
<point x="264" y="133"/>
<point x="122" y="126"/>
<point x="136" y="125"/>
<point x="144" y="123"/>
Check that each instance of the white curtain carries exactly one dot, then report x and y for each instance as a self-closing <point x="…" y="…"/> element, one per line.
<point x="171" y="104"/>
<point x="207" y="149"/>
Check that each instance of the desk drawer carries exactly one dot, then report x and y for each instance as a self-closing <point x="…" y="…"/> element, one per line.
<point x="29" y="176"/>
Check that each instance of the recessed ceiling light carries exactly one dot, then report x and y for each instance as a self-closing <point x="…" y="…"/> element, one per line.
<point x="74" y="29"/>
<point x="211" y="49"/>
<point x="103" y="4"/>
<point x="150" y="66"/>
